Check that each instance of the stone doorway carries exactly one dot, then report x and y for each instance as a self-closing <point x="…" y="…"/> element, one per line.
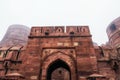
<point x="58" y="70"/>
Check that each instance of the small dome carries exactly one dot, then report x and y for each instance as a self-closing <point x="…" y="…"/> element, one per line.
<point x="113" y="26"/>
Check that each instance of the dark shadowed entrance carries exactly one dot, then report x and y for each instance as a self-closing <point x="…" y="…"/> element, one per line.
<point x="58" y="70"/>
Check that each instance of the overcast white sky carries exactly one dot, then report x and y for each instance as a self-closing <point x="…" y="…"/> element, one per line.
<point x="97" y="14"/>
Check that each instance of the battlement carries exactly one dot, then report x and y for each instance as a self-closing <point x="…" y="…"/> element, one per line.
<point x="59" y="31"/>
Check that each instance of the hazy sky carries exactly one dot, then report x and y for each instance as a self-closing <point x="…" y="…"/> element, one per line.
<point x="97" y="14"/>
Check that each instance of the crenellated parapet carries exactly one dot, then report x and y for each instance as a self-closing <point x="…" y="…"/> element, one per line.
<point x="60" y="31"/>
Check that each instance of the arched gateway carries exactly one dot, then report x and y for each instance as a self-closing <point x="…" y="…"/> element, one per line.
<point x="58" y="68"/>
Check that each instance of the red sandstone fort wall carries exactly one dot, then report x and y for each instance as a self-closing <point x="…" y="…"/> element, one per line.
<point x="54" y="42"/>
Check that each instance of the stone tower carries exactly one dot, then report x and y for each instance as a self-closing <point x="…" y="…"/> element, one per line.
<point x="113" y="32"/>
<point x="16" y="35"/>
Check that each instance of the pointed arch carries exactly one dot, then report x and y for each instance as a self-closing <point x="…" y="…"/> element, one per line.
<point x="57" y="64"/>
<point x="60" y="29"/>
<point x="58" y="57"/>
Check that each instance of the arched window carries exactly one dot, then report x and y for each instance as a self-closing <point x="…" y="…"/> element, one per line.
<point x="115" y="66"/>
<point x="112" y="27"/>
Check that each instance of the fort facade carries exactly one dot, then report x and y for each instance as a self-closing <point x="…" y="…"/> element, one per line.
<point x="62" y="53"/>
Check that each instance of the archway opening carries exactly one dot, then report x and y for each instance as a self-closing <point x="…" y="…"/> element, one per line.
<point x="58" y="70"/>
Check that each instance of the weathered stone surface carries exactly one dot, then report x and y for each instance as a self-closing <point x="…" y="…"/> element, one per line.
<point x="51" y="48"/>
<point x="16" y="35"/>
<point x="113" y="32"/>
<point x="56" y="53"/>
